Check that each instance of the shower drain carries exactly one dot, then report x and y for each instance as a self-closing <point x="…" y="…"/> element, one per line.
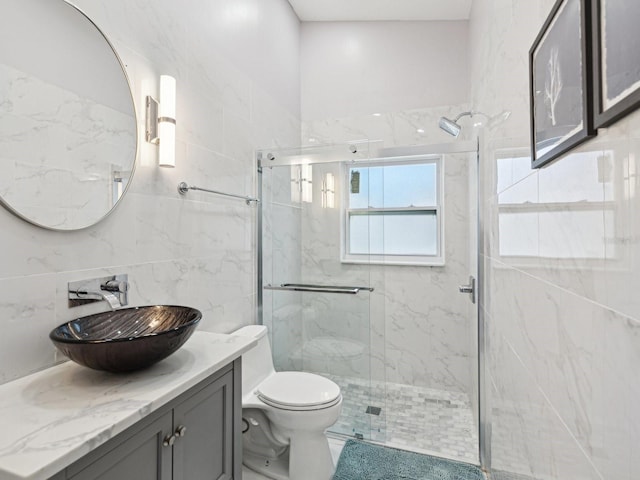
<point x="373" y="410"/>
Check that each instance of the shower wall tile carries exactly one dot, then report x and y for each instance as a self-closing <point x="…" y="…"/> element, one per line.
<point x="561" y="276"/>
<point x="572" y="352"/>
<point x="529" y="441"/>
<point x="422" y="331"/>
<point x="197" y="249"/>
<point x="401" y="128"/>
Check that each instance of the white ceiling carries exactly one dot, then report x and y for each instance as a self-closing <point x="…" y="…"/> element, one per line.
<point x="374" y="10"/>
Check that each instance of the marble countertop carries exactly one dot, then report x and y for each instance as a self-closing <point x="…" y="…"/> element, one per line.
<point x="54" y="417"/>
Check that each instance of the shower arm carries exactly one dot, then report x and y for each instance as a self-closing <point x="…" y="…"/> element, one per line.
<point x="470" y="113"/>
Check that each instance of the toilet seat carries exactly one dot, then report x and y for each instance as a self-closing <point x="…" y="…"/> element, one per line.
<point x="298" y="391"/>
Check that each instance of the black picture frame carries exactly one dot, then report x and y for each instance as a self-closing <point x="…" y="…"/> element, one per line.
<point x="560" y="83"/>
<point x="616" y="70"/>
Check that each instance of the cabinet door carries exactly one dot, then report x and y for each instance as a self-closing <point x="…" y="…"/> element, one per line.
<point x="205" y="451"/>
<point x="141" y="457"/>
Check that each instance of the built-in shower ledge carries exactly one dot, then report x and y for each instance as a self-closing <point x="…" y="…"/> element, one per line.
<point x="54" y="417"/>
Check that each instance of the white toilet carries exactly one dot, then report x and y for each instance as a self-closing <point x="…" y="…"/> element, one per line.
<point x="285" y="415"/>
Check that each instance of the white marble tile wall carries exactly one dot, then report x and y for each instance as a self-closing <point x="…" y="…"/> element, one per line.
<point x="197" y="250"/>
<point x="561" y="260"/>
<point x="422" y="331"/>
<point x="395" y="128"/>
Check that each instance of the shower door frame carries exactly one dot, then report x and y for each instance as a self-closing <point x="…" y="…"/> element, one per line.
<point x="484" y="417"/>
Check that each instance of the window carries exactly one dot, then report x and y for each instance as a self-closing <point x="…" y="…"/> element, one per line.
<point x="393" y="212"/>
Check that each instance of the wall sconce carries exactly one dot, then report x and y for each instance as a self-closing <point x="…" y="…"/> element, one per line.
<point x="161" y="121"/>
<point x="328" y="191"/>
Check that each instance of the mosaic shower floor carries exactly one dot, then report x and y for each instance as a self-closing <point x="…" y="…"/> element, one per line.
<point x="412" y="418"/>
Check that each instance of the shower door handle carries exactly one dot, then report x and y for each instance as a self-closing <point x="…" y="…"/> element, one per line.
<point x="470" y="288"/>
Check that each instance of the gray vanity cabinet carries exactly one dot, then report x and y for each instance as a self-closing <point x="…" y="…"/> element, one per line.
<point x="194" y="437"/>
<point x="204" y="434"/>
<point x="139" y="456"/>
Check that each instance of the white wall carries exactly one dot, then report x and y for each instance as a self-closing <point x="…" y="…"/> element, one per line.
<point x="561" y="302"/>
<point x="357" y="68"/>
<point x="421" y="328"/>
<point x="197" y="250"/>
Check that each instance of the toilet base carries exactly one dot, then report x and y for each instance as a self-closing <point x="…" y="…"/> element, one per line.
<point x="278" y="468"/>
<point x="311" y="456"/>
<point x="311" y="459"/>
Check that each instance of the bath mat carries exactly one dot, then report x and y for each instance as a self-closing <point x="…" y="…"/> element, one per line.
<point x="363" y="461"/>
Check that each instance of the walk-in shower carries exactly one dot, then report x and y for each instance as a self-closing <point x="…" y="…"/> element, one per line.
<point x="362" y="251"/>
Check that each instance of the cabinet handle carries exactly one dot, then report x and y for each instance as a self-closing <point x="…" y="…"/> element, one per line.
<point x="169" y="440"/>
<point x="181" y="431"/>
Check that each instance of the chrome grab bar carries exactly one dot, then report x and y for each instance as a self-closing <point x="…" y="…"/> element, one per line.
<point x="302" y="287"/>
<point x="183" y="188"/>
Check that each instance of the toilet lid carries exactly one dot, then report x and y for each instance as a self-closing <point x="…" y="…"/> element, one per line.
<point x="298" y="389"/>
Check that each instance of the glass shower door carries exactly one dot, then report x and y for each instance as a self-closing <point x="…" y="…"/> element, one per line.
<point x="405" y="354"/>
<point x="318" y="308"/>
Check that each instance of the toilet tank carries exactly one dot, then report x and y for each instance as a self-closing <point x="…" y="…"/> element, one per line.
<point x="257" y="363"/>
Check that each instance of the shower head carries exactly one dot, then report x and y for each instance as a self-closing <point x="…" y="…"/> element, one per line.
<point x="453" y="128"/>
<point x="450" y="126"/>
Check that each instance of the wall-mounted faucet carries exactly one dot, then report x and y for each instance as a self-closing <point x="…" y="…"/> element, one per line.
<point x="112" y="290"/>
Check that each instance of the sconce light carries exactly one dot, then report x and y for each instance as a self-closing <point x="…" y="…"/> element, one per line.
<point x="328" y="191"/>
<point x="161" y="121"/>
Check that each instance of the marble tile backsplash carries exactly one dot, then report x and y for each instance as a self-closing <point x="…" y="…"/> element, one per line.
<point x="197" y="250"/>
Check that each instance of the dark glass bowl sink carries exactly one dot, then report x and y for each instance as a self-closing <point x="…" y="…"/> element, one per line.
<point x="128" y="339"/>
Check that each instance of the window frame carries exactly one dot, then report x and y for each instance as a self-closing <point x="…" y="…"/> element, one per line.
<point x="438" y="209"/>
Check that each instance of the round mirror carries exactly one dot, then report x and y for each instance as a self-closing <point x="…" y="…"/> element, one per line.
<point x="68" y="130"/>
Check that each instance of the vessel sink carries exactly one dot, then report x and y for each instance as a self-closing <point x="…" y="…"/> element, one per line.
<point x="127" y="339"/>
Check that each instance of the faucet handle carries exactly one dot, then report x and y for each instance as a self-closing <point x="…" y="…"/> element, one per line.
<point x="120" y="286"/>
<point x="114" y="289"/>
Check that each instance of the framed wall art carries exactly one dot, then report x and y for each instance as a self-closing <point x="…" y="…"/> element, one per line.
<point x="561" y="92"/>
<point x="616" y="59"/>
